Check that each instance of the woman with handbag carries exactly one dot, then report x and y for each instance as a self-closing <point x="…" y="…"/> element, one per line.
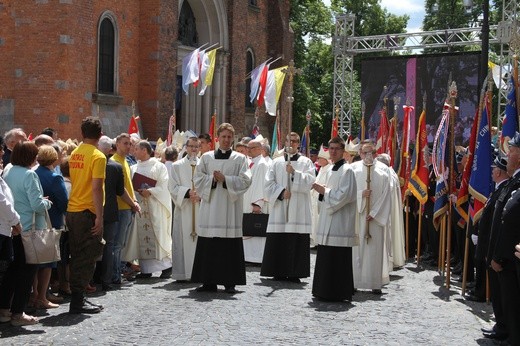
<point x="28" y="201"/>
<point x="54" y="189"/>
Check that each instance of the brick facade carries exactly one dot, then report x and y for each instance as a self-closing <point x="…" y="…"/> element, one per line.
<point x="48" y="73"/>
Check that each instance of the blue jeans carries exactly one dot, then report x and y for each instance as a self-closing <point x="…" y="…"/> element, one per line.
<point x="120" y="239"/>
<point x="107" y="264"/>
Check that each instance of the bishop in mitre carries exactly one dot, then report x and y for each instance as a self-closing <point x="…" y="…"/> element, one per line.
<point x="370" y="258"/>
<point x="187" y="203"/>
<point x="150" y="240"/>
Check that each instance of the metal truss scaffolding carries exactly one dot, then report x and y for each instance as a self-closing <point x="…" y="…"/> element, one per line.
<point x="346" y="45"/>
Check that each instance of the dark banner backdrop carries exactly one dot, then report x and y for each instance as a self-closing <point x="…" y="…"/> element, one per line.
<point x="411" y="77"/>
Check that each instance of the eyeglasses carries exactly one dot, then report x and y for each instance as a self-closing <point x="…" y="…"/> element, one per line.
<point x="251" y="148"/>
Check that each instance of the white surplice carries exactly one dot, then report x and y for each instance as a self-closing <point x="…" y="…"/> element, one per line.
<point x="221" y="209"/>
<point x="150" y="239"/>
<point x="321" y="179"/>
<point x="184" y="218"/>
<point x="337" y="220"/>
<point x="370" y="260"/>
<point x="396" y="228"/>
<point x="292" y="215"/>
<point x="254" y="246"/>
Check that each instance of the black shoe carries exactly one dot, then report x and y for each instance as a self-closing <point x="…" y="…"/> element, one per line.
<point x="487" y="330"/>
<point x="230" y="289"/>
<point x="108" y="287"/>
<point x="495" y="336"/>
<point x="377" y="291"/>
<point x="473" y="298"/>
<point x="166" y="273"/>
<point x="279" y="278"/>
<point x="143" y="276"/>
<point x="207" y="288"/>
<point x="294" y="280"/>
<point x="79" y="305"/>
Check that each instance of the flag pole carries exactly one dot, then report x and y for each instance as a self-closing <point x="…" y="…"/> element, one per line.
<point x="363" y="109"/>
<point x="452" y="97"/>
<point x="482" y="103"/>
<point x="419" y="227"/>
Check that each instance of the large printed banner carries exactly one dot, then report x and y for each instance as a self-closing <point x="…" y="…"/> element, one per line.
<point x="412" y="76"/>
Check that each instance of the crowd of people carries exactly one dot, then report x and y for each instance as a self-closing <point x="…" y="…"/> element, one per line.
<point x="128" y="210"/>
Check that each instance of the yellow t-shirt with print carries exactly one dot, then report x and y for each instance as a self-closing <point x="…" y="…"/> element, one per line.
<point x="121" y="204"/>
<point x="85" y="163"/>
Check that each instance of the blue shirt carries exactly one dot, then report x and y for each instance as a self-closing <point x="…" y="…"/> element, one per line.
<point x="28" y="196"/>
<point x="54" y="187"/>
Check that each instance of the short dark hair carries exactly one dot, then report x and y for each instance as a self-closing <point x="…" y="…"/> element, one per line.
<point x="91" y="128"/>
<point x="205" y="136"/>
<point x="64" y="166"/>
<point x="49" y="131"/>
<point x="171" y="153"/>
<point x="224" y="127"/>
<point x="146" y="145"/>
<point x="338" y="140"/>
<point x="24" y="154"/>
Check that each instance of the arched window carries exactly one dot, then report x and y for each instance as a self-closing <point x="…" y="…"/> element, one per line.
<point x="107" y="56"/>
<point x="187" y="27"/>
<point x="249" y="67"/>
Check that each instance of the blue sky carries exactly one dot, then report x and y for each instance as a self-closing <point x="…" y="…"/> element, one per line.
<point x="414" y="8"/>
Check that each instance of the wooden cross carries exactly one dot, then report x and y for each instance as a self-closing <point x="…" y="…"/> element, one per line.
<point x="291" y="71"/>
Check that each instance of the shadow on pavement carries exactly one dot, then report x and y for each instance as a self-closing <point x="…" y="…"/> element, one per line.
<point x="177" y="286"/>
<point x="64" y="319"/>
<point x="210" y="296"/>
<point x="319" y="305"/>
<point x="8" y="331"/>
<point x="280" y="284"/>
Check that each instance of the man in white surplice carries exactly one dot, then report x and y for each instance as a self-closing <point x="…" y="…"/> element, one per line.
<point x="186" y="211"/>
<point x="150" y="240"/>
<point x="288" y="184"/>
<point x="396" y="228"/>
<point x="321" y="179"/>
<point x="222" y="177"/>
<point x="254" y="200"/>
<point x="370" y="258"/>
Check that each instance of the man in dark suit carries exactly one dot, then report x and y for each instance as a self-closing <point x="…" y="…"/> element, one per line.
<point x="486" y="240"/>
<point x="502" y="259"/>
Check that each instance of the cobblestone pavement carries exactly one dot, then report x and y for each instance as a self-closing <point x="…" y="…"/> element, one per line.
<point x="413" y="309"/>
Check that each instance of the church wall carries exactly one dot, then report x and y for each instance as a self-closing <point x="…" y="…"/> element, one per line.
<point x="48" y="72"/>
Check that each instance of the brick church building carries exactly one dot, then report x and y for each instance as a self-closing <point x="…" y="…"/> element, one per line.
<point x="63" y="60"/>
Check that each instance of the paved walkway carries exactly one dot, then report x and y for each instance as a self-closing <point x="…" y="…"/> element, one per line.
<point x="413" y="310"/>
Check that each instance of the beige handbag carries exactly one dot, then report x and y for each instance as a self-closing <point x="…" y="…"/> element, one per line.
<point x="41" y="245"/>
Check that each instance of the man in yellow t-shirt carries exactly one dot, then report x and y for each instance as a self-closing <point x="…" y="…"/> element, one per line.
<point x="85" y="214"/>
<point x="126" y="211"/>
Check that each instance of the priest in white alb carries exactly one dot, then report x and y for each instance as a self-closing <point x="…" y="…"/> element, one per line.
<point x="222" y="177"/>
<point x="370" y="258"/>
<point x="321" y="179"/>
<point x="288" y="184"/>
<point x="186" y="211"/>
<point x="336" y="231"/>
<point x="254" y="201"/>
<point x="150" y="240"/>
<point x="396" y="243"/>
